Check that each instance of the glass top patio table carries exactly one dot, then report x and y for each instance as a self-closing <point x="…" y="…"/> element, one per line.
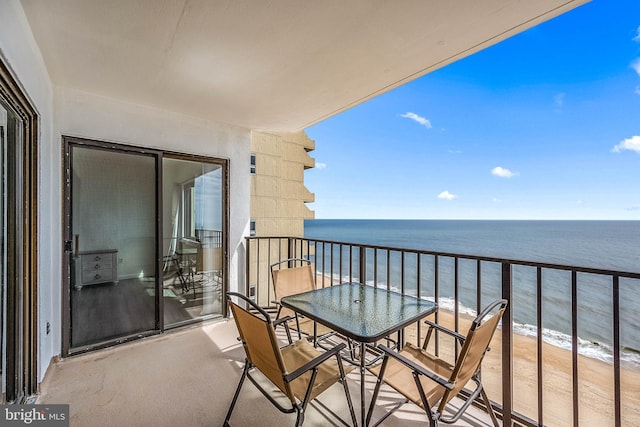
<point x="363" y="313"/>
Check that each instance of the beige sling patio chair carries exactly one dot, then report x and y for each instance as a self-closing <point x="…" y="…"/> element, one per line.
<point x="298" y="370"/>
<point x="297" y="278"/>
<point x="431" y="382"/>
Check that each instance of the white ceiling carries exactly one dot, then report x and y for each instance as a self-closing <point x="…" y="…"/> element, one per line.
<point x="279" y="65"/>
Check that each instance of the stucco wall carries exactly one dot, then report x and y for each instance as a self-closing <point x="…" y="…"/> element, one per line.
<point x="64" y="111"/>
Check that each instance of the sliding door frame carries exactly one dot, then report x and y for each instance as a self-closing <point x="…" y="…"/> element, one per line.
<point x="67" y="143"/>
<point x="224" y="163"/>
<point x="22" y="298"/>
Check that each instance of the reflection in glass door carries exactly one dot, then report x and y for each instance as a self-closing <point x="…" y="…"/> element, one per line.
<point x="112" y="234"/>
<point x="193" y="224"/>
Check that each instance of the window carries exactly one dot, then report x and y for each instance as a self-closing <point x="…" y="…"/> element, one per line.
<point x="253" y="163"/>
<point x="252" y="228"/>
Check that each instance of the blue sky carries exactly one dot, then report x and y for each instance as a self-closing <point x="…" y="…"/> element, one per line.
<point x="545" y="125"/>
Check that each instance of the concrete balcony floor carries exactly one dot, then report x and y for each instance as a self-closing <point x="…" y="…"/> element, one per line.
<point x="187" y="378"/>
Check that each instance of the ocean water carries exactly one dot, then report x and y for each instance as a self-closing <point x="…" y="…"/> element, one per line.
<point x="610" y="245"/>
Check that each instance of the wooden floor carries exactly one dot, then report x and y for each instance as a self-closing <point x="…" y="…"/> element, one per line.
<point x="109" y="311"/>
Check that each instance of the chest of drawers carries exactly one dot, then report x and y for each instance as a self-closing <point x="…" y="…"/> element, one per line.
<point x="94" y="267"/>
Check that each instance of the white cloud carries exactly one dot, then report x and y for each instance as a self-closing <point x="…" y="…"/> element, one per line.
<point x="559" y="99"/>
<point x="637" y="37"/>
<point x="636" y="66"/>
<point x="320" y="165"/>
<point x="632" y="144"/>
<point x="419" y="119"/>
<point x="447" y="196"/>
<point x="503" y="172"/>
<point x="496" y="200"/>
<point x="637" y="91"/>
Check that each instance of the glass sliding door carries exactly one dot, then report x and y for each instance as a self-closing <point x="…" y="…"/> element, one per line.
<point x="112" y="241"/>
<point x="145" y="239"/>
<point x="193" y="229"/>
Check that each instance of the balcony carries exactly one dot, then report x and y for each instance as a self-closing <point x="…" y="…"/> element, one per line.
<point x="530" y="377"/>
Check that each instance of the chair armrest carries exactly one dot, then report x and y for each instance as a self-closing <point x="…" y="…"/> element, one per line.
<point x="284" y="320"/>
<point x="315" y="362"/>
<point x="417" y="368"/>
<point x="445" y="330"/>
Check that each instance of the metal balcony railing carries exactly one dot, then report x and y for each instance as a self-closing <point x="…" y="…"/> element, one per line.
<point x="589" y="312"/>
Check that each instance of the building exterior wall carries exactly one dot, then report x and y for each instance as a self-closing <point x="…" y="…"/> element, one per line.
<point x="278" y="194"/>
<point x="278" y="198"/>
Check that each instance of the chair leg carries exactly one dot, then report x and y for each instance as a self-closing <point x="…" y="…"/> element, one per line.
<point x="300" y="417"/>
<point x="245" y="371"/>
<point x="343" y="380"/>
<point x="490" y="410"/>
<point x="383" y="367"/>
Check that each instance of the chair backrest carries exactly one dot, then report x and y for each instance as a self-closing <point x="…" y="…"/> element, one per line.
<point x="260" y="342"/>
<point x="292" y="280"/>
<point x="475" y="346"/>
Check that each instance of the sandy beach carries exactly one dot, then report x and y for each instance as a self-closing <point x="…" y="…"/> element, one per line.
<point x="595" y="388"/>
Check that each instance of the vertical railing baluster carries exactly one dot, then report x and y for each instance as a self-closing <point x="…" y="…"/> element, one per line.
<point x="574" y="346"/>
<point x="324" y="263"/>
<point x="418" y="293"/>
<point x="331" y="263"/>
<point x="616" y="352"/>
<point x="402" y="266"/>
<point x="539" y="345"/>
<point x="436" y="295"/>
<point x="248" y="269"/>
<point x="388" y="269"/>
<point x="340" y="263"/>
<point x="478" y="286"/>
<point x="456" y="303"/>
<point x="507" y="346"/>
<point x="363" y="264"/>
<point x="257" y="273"/>
<point x="375" y="268"/>
<point x="269" y="262"/>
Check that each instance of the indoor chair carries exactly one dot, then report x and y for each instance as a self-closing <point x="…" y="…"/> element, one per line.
<point x="298" y="369"/>
<point x="431" y="382"/>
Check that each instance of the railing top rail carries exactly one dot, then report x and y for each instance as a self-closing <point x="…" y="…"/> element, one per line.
<point x="579" y="269"/>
